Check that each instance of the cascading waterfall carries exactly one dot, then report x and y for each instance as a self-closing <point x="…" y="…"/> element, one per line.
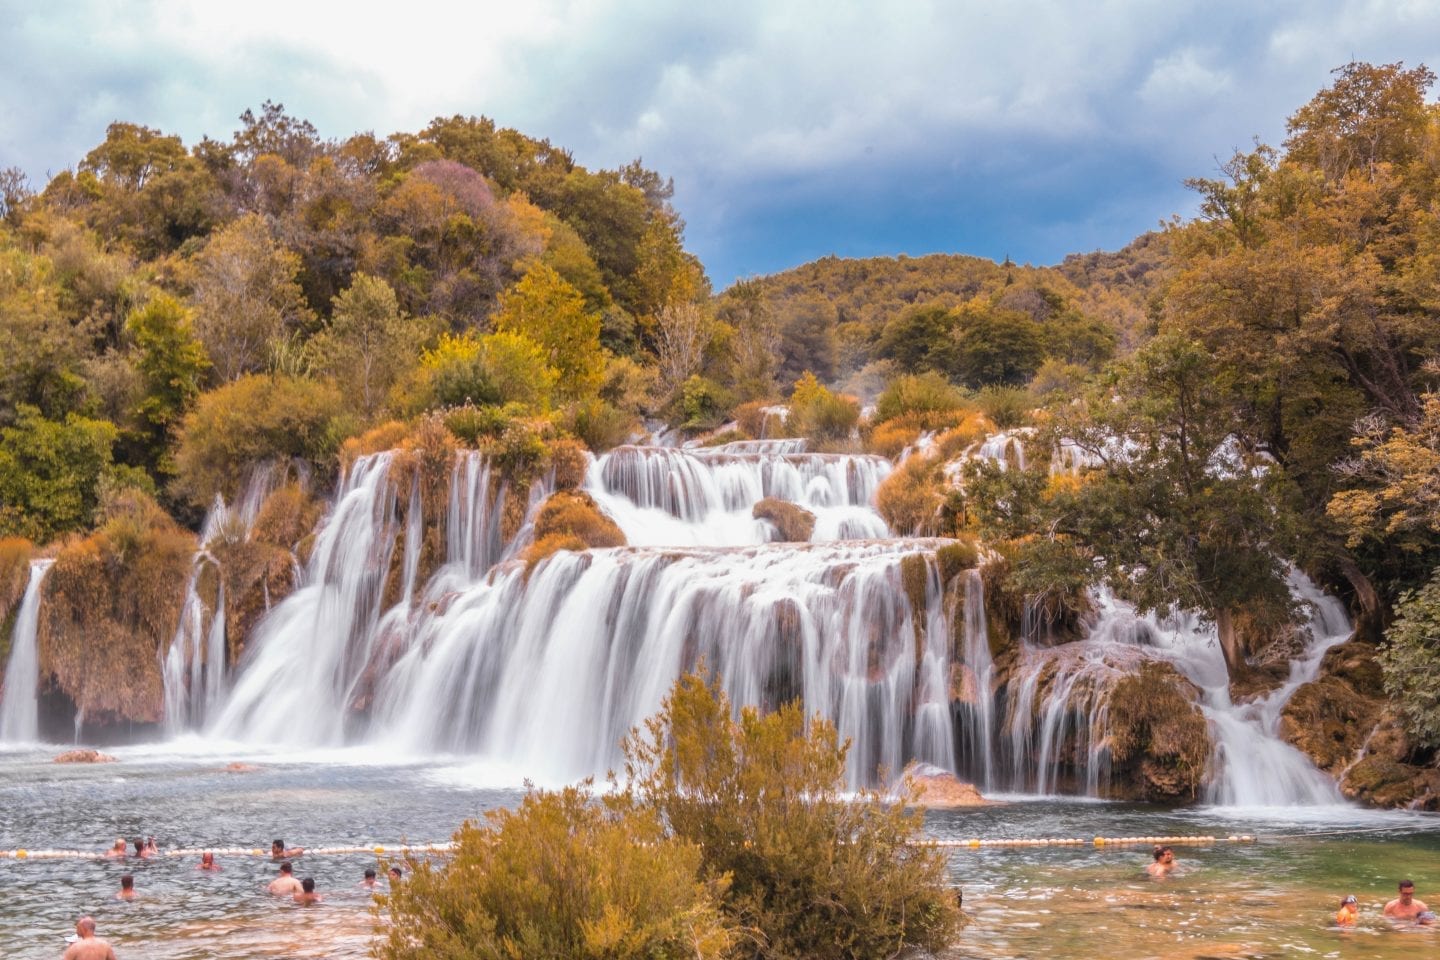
<point x="977" y="693"/>
<point x="19" y="701"/>
<point x="667" y="497"/>
<point x="549" y="672"/>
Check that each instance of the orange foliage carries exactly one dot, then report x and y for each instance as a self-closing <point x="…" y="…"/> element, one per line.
<point x="577" y="515"/>
<point x="569" y="460"/>
<point x="911" y="497"/>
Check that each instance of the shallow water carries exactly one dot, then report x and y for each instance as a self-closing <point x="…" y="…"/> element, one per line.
<point x="1271" y="899"/>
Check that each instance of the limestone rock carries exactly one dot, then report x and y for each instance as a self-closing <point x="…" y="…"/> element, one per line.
<point x="940" y="789"/>
<point x="794" y="523"/>
<point x="84" y="756"/>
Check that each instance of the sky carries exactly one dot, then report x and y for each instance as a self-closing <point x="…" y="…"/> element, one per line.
<point x="792" y="130"/>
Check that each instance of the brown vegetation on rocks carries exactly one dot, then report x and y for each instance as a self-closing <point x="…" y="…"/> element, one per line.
<point x="577" y="514"/>
<point x="1159" y="740"/>
<point x="112" y="601"/>
<point x="794" y="523"/>
<point x="911" y="497"/>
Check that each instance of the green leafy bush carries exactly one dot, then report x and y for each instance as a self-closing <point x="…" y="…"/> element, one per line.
<point x="820" y="415"/>
<point x="1410" y="661"/>
<point x="50" y="472"/>
<point x="255" y="419"/>
<point x="922" y="393"/>
<point x="564" y="877"/>
<point x="814" y="873"/>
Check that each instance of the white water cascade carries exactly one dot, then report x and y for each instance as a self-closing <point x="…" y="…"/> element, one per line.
<point x="19" y="702"/>
<point x="703" y="497"/>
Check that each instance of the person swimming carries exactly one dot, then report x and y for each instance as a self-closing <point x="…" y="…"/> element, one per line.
<point x="306" y="895"/>
<point x="1164" y="864"/>
<point x="1405" y="906"/>
<point x="207" y="863"/>
<point x="1348" y="913"/>
<point x="278" y="850"/>
<point x="285" y="884"/>
<point x="140" y="849"/>
<point x="369" y="883"/>
<point x="119" y="849"/>
<point x="396" y="874"/>
<point x="127" y="888"/>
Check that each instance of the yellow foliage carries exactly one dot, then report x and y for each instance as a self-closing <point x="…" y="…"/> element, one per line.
<point x="911" y="497"/>
<point x="576" y="514"/>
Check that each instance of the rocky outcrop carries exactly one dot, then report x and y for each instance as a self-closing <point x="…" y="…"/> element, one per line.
<point x="571" y="521"/>
<point x="84" y="756"/>
<point x="939" y="789"/>
<point x="794" y="523"/>
<point x="1344" y="722"/>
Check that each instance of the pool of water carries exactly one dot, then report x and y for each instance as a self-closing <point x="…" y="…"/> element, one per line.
<point x="1273" y="898"/>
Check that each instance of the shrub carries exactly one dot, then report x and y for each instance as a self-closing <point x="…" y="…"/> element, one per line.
<point x="576" y="514"/>
<point x="910" y="498"/>
<point x="923" y="393"/>
<point x="703" y="404"/>
<point x="569" y="461"/>
<point x="972" y="428"/>
<point x="600" y="424"/>
<point x="814" y="872"/>
<point x="50" y="473"/>
<point x="794" y="523"/>
<point x="386" y="436"/>
<point x="1410" y="661"/>
<point x="563" y="877"/>
<point x="820" y="415"/>
<point x="1005" y="406"/>
<point x="255" y="419"/>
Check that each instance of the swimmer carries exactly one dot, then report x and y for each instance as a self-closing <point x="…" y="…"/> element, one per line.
<point x="140" y="850"/>
<point x="396" y="874"/>
<point x="369" y="882"/>
<point x="1348" y="913"/>
<point x="127" y="888"/>
<point x="1405" y="906"/>
<point x="120" y="849"/>
<point x="88" y="946"/>
<point x="207" y="863"/>
<point x="1164" y="864"/>
<point x="278" y="850"/>
<point x="284" y="885"/>
<point x="307" y="895"/>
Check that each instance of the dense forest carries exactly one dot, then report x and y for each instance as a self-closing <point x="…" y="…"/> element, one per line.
<point x="1250" y="388"/>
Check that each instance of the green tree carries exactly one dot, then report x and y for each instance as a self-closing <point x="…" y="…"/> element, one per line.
<point x="246" y="297"/>
<point x="920" y="339"/>
<point x="995" y="347"/>
<point x="172" y="365"/>
<point x="566" y="876"/>
<point x="50" y="472"/>
<point x="41" y="350"/>
<point x="815" y="873"/>
<point x="543" y="307"/>
<point x="368" y="343"/>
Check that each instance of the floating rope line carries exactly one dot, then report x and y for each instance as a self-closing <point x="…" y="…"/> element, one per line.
<point x="1079" y="842"/>
<point x="378" y="850"/>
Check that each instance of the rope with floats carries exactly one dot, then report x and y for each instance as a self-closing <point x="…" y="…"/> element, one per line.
<point x="379" y="850"/>
<point x="1198" y="841"/>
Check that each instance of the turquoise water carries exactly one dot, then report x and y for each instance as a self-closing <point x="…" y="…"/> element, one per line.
<point x="1274" y="898"/>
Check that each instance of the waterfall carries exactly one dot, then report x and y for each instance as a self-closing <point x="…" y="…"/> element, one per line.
<point x="19" y="703"/>
<point x="549" y="672"/>
<point x="193" y="669"/>
<point x="977" y="694"/>
<point x="1055" y="716"/>
<point x="703" y="497"/>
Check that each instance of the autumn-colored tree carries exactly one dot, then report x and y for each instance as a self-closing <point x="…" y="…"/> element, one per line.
<point x="547" y="310"/>
<point x="368" y="342"/>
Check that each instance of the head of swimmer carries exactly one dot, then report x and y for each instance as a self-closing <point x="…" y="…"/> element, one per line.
<point x="1164" y="854"/>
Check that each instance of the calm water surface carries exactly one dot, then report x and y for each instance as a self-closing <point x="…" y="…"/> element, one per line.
<point x="1272" y="899"/>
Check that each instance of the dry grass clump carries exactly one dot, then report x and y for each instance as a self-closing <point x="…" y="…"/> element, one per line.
<point x="794" y="523"/>
<point x="554" y="543"/>
<point x="972" y="427"/>
<point x="569" y="460"/>
<point x="386" y="436"/>
<point x="112" y="603"/>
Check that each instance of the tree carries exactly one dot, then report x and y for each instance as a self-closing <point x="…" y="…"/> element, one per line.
<point x="757" y="338"/>
<point x="1410" y="661"/>
<point x="41" y="350"/>
<point x="246" y="296"/>
<point x="994" y="347"/>
<point x="543" y="307"/>
<point x="682" y="333"/>
<point x="50" y="472"/>
<point x="566" y="876"/>
<point x="815" y="873"/>
<point x="1369" y="115"/>
<point x="368" y="343"/>
<point x="172" y="365"/>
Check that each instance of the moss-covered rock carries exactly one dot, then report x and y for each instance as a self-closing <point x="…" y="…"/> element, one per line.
<point x="577" y="515"/>
<point x="794" y="523"/>
<point x="1158" y="739"/>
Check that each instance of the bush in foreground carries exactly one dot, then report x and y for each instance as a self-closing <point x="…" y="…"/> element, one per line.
<point x="564" y="877"/>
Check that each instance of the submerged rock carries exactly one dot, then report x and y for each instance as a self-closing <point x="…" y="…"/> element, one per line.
<point x="794" y="523"/>
<point x="84" y="756"/>
<point x="941" y="789"/>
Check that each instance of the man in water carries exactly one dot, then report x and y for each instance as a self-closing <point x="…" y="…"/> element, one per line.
<point x="120" y="849"/>
<point x="1164" y="864"/>
<point x="127" y="888"/>
<point x="140" y="849"/>
<point x="207" y="863"/>
<point x="369" y="883"/>
<point x="284" y="885"/>
<point x="278" y="850"/>
<point x="88" y="946"/>
<point x="307" y="895"/>
<point x="1405" y="906"/>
